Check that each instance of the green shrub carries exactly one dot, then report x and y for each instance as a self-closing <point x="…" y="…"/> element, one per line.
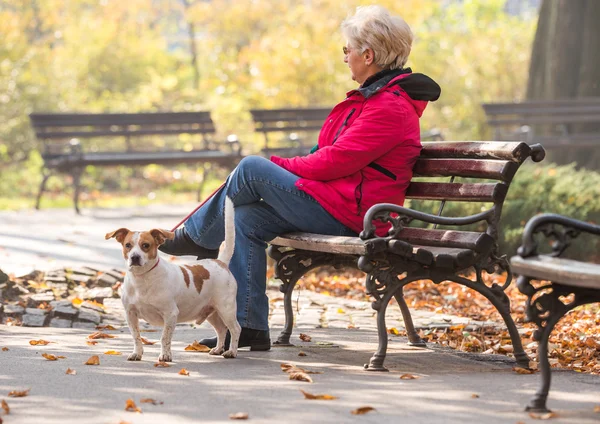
<point x="538" y="189"/>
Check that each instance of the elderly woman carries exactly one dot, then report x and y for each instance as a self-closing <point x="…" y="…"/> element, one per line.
<point x="365" y="154"/>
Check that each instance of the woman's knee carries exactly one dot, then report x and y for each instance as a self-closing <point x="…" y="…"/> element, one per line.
<point x="252" y="163"/>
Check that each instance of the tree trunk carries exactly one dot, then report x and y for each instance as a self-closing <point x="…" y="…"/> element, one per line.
<point x="565" y="63"/>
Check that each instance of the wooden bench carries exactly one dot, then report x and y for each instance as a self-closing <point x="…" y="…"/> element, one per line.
<point x="407" y="254"/>
<point x="126" y="139"/>
<point x="549" y="122"/>
<point x="297" y="129"/>
<point x="568" y="283"/>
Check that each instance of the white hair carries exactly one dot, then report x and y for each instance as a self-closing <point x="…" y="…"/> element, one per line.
<point x="388" y="36"/>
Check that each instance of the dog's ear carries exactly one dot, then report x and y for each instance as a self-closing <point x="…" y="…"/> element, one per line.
<point x="161" y="235"/>
<point x="118" y="234"/>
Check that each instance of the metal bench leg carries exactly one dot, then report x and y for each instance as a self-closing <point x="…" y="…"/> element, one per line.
<point x="538" y="403"/>
<point x="42" y="189"/>
<point x="413" y="337"/>
<point x="287" y="289"/>
<point x="376" y="362"/>
<point x="77" y="172"/>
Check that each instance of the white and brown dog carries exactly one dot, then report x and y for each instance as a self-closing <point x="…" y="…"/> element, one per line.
<point x="165" y="294"/>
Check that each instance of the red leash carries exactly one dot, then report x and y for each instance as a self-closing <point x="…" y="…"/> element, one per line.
<point x="201" y="204"/>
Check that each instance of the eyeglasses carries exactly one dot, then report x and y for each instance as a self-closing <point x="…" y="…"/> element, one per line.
<point x="346" y="50"/>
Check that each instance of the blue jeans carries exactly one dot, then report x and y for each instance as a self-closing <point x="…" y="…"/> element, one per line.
<point x="267" y="204"/>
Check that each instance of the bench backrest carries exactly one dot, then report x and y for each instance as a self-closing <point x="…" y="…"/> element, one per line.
<point x="493" y="163"/>
<point x="561" y="111"/>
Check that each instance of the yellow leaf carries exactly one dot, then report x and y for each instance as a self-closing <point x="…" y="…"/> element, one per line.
<point x="130" y="406"/>
<point x="39" y="342"/>
<point x="183" y="371"/>
<point x="317" y="397"/>
<point x="112" y="352"/>
<point x="363" y="410"/>
<point x="71" y="372"/>
<point x="239" y="416"/>
<point x="100" y="335"/>
<point x="94" y="360"/>
<point x="76" y="302"/>
<point x="51" y="357"/>
<point x="393" y="331"/>
<point x="92" y="342"/>
<point x="197" y="347"/>
<point x="341" y="311"/>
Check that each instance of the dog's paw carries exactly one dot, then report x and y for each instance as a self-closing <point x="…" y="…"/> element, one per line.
<point x="229" y="354"/>
<point x="165" y="357"/>
<point x="135" y="357"/>
<point x="215" y="351"/>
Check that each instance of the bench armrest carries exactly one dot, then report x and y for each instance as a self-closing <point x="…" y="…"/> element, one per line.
<point x="383" y="211"/>
<point x="548" y="224"/>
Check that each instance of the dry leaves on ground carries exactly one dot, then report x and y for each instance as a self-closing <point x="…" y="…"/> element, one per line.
<point x="5" y="349"/>
<point x="19" y="393"/>
<point x="5" y="407"/>
<point x="183" y="371"/>
<point x="39" y="342"/>
<point x="147" y="342"/>
<point x="301" y="354"/>
<point x="317" y="397"/>
<point x="475" y="396"/>
<point x="161" y="364"/>
<point x="597" y="408"/>
<point x="71" y="372"/>
<point x="105" y="327"/>
<point x="543" y="416"/>
<point x="409" y="377"/>
<point x="197" y="347"/>
<point x="130" y="406"/>
<point x="300" y="376"/>
<point x="305" y="337"/>
<point x="152" y="401"/>
<point x="92" y="342"/>
<point x="112" y="352"/>
<point x="239" y="416"/>
<point x="393" y="331"/>
<point x="52" y="357"/>
<point x="94" y="360"/>
<point x="293" y="368"/>
<point x="101" y="335"/>
<point x="520" y="370"/>
<point x="362" y="410"/>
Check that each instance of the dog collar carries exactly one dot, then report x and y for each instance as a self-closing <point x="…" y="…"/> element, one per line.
<point x="155" y="265"/>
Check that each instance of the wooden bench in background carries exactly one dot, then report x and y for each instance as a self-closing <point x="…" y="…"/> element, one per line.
<point x="553" y="123"/>
<point x="294" y="131"/>
<point x="126" y="139"/>
<point x="407" y="254"/>
<point x="569" y="283"/>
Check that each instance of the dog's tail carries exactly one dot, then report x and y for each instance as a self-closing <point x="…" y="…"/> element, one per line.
<point x="228" y="245"/>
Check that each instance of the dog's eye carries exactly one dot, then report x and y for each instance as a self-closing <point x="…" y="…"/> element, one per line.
<point x="128" y="245"/>
<point x="146" y="246"/>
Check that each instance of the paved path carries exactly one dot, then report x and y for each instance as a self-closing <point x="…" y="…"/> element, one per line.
<point x="453" y="388"/>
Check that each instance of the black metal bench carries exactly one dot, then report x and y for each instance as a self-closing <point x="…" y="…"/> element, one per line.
<point x="298" y="129"/>
<point x="126" y="139"/>
<point x="407" y="254"/>
<point x="569" y="283"/>
<point x="552" y="123"/>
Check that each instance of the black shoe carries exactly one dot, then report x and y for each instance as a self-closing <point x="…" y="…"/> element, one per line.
<point x="255" y="339"/>
<point x="183" y="244"/>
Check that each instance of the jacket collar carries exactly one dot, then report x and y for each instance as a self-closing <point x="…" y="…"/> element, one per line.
<point x="379" y="80"/>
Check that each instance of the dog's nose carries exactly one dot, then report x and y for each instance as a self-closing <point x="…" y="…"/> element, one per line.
<point x="135" y="260"/>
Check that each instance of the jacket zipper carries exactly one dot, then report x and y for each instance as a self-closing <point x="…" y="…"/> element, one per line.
<point x="343" y="125"/>
<point x="358" y="194"/>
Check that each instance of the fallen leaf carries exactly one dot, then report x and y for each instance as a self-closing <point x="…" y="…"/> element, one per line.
<point x="148" y="330"/>
<point x="112" y="352"/>
<point x="363" y="410"/>
<point x="100" y="335"/>
<point x="76" y="302"/>
<point x="293" y="368"/>
<point x="162" y="364"/>
<point x="183" y="371"/>
<point x="520" y="370"/>
<point x="317" y="397"/>
<point x="393" y="331"/>
<point x="305" y="337"/>
<point x="301" y="354"/>
<point x="239" y="416"/>
<point x="39" y="342"/>
<point x="94" y="360"/>
<point x="5" y="349"/>
<point x="5" y="407"/>
<point x="130" y="406"/>
<point x="409" y="377"/>
<point x="597" y="408"/>
<point x="19" y="393"/>
<point x="475" y="396"/>
<point x="300" y="376"/>
<point x="71" y="372"/>
<point x="341" y="311"/>
<point x="197" y="347"/>
<point x="152" y="401"/>
<point x="92" y="342"/>
<point x="52" y="357"/>
<point x="545" y="416"/>
<point x="105" y="327"/>
<point x="147" y="342"/>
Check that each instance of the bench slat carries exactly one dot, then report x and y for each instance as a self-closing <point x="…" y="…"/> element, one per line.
<point x="118" y="133"/>
<point x="501" y="150"/>
<point x="465" y="192"/>
<point x="474" y="168"/>
<point x="478" y="242"/>
<point x="108" y="119"/>
<point x="290" y="127"/>
<point x="567" y="272"/>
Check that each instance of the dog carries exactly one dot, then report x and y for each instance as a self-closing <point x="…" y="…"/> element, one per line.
<point x="165" y="294"/>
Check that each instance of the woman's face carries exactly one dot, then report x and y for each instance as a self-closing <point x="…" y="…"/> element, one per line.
<point x="360" y="64"/>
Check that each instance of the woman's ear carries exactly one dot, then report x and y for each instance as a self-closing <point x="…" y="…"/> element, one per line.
<point x="369" y="56"/>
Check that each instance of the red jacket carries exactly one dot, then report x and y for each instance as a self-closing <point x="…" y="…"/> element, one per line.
<point x="367" y="147"/>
